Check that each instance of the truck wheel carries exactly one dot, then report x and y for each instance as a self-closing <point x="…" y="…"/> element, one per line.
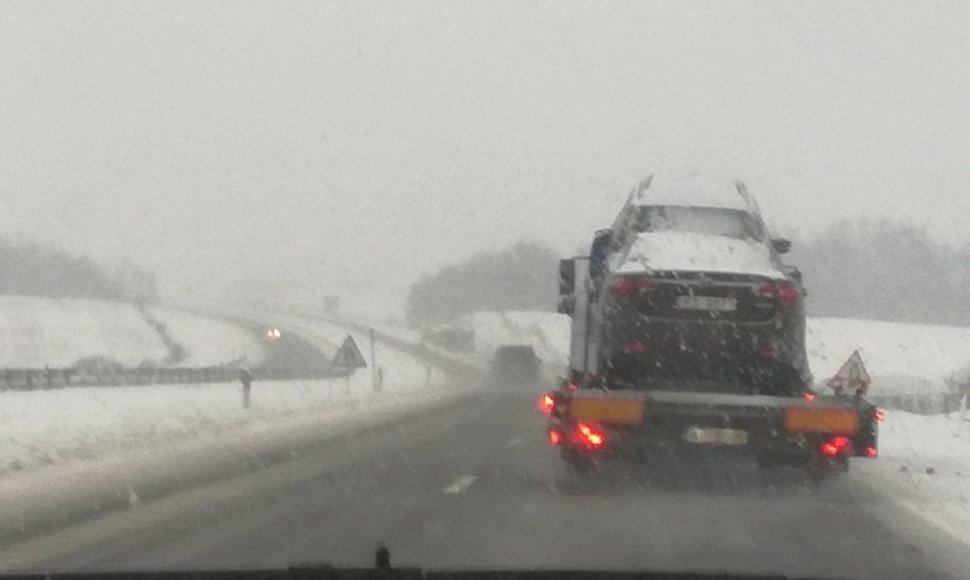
<point x="578" y="465"/>
<point x="822" y="469"/>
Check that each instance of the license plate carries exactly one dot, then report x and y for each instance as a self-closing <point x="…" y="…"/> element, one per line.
<point x="712" y="303"/>
<point x="716" y="436"/>
<point x="615" y="411"/>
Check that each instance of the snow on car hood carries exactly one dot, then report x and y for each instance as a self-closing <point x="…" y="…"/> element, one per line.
<point x="692" y="252"/>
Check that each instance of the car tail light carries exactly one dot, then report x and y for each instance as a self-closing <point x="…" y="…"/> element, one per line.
<point x="572" y="386"/>
<point x="809" y="396"/>
<point x="872" y="452"/>
<point x="590" y="435"/>
<point x="783" y="293"/>
<point x="547" y="402"/>
<point x="879" y="415"/>
<point x="626" y="285"/>
<point x="835" y="446"/>
<point x="555" y="437"/>
<point x="636" y="348"/>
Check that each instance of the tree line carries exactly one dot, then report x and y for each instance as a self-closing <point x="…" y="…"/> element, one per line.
<point x="32" y="269"/>
<point x="879" y="270"/>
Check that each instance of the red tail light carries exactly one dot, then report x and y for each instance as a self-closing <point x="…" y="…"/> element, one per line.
<point x="624" y="286"/>
<point x="809" y="396"/>
<point x="572" y="386"/>
<point x="591" y="436"/>
<point x="836" y="446"/>
<point x="555" y="437"/>
<point x="872" y="452"/>
<point x="636" y="348"/>
<point x="878" y="415"/>
<point x="783" y="293"/>
<point x="547" y="403"/>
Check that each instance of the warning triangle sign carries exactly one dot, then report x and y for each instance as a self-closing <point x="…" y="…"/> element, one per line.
<point x="852" y="376"/>
<point x="349" y="356"/>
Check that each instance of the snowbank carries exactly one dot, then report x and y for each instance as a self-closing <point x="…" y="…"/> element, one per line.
<point x="924" y="466"/>
<point x="902" y="358"/>
<point x="54" y="427"/>
<point x="209" y="342"/>
<point x="57" y="333"/>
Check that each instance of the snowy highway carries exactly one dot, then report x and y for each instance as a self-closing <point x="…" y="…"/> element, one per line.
<point x="474" y="485"/>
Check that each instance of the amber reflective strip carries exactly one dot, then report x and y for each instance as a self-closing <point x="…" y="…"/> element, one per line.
<point x="802" y="420"/>
<point x="607" y="411"/>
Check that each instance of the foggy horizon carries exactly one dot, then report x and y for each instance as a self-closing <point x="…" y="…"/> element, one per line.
<point x="215" y="143"/>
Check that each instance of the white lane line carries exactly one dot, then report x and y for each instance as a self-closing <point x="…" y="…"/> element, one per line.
<point x="460" y="485"/>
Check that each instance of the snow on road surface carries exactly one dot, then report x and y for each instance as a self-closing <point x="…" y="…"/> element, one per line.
<point x="58" y="332"/>
<point x="209" y="342"/>
<point x="924" y="466"/>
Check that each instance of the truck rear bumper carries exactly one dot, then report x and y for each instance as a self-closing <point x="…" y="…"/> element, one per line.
<point x="735" y="425"/>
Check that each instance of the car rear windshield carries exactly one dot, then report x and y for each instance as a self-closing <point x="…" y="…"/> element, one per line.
<point x="701" y="220"/>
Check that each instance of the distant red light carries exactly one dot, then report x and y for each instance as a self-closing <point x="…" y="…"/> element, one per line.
<point x="547" y="403"/>
<point x="809" y="396"/>
<point x="879" y="415"/>
<point x="555" y="437"/>
<point x="871" y="452"/>
<point x="572" y="386"/>
<point x="636" y="348"/>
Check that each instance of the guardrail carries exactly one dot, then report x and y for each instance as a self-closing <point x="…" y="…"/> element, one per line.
<point x="43" y="379"/>
<point x="922" y="404"/>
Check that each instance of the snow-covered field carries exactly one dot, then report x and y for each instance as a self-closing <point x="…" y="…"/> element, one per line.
<point x="60" y="426"/>
<point x="207" y="341"/>
<point x="56" y="333"/>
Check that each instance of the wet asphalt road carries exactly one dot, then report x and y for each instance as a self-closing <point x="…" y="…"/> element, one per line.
<point x="476" y="486"/>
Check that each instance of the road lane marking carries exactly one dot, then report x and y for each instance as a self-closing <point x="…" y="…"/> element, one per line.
<point x="460" y="485"/>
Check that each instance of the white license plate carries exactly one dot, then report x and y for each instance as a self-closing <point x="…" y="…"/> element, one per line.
<point x="716" y="436"/>
<point x="713" y="303"/>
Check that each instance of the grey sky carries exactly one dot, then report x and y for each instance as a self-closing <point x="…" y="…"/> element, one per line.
<point x="377" y="141"/>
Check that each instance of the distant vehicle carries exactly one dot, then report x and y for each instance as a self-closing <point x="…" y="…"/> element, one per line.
<point x="272" y="334"/>
<point x="687" y="329"/>
<point x="516" y="363"/>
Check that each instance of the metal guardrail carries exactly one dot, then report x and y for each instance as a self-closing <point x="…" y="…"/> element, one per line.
<point x="922" y="404"/>
<point x="44" y="379"/>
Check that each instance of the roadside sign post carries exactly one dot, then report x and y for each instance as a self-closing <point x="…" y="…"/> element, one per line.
<point x="375" y="384"/>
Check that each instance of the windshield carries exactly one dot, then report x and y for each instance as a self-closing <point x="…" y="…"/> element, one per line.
<point x="698" y="220"/>
<point x="497" y="284"/>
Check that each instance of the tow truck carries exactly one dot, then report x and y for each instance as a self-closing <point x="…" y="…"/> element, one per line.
<point x="694" y="372"/>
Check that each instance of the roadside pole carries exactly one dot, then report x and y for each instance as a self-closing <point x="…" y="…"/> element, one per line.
<point x="375" y="386"/>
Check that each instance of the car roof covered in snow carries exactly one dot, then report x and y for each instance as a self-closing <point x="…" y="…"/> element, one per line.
<point x="693" y="191"/>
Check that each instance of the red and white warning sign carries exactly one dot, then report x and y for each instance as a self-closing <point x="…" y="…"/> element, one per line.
<point x="852" y="377"/>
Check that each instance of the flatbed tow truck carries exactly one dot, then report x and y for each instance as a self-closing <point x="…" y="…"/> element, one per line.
<point x="594" y="418"/>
